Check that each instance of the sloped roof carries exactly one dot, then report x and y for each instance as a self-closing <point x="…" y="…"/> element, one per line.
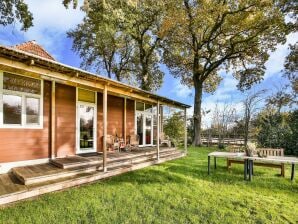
<point x="34" y="48"/>
<point x="14" y="53"/>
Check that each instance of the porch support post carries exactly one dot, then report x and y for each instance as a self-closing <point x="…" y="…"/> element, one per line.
<point x="53" y="120"/>
<point x="185" y="131"/>
<point x="124" y="119"/>
<point x="105" y="110"/>
<point x="158" y="130"/>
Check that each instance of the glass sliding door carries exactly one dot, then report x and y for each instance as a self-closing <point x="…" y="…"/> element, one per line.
<point x="140" y="127"/>
<point x="86" y="121"/>
<point x="148" y="129"/>
<point x="86" y="128"/>
<point x="144" y="124"/>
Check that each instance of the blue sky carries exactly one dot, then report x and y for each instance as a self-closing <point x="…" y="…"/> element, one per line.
<point x="52" y="21"/>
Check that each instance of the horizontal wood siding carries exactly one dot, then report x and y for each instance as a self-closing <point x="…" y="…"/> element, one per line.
<point x="27" y="144"/>
<point x="130" y="117"/>
<point x="65" y="120"/>
<point x="115" y="117"/>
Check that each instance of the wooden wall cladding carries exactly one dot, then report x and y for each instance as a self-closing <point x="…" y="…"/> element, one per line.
<point x="65" y="120"/>
<point x="115" y="117"/>
<point x="28" y="144"/>
<point x="130" y="117"/>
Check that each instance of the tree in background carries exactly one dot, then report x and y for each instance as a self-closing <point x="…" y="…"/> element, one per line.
<point x="15" y="10"/>
<point x="123" y="38"/>
<point x="273" y="128"/>
<point x="100" y="45"/>
<point x="222" y="120"/>
<point x="292" y="137"/>
<point x="291" y="67"/>
<point x="174" y="127"/>
<point x="208" y="36"/>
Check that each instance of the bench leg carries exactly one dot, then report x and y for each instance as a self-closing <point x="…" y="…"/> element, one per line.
<point x="245" y="169"/>
<point x="214" y="162"/>
<point x="293" y="172"/>
<point x="208" y="165"/>
<point x="282" y="171"/>
<point x="250" y="169"/>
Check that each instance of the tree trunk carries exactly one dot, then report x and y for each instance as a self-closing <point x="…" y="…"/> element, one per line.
<point x="197" y="112"/>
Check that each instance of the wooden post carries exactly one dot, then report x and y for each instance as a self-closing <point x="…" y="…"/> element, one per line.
<point x="105" y="110"/>
<point x="124" y="126"/>
<point x="53" y="121"/>
<point x="158" y="130"/>
<point x="185" y="131"/>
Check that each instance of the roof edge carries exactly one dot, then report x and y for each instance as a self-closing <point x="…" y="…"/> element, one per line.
<point x="92" y="75"/>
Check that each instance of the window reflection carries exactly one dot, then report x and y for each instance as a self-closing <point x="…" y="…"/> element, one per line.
<point x="12" y="109"/>
<point x="32" y="110"/>
<point x="86" y="127"/>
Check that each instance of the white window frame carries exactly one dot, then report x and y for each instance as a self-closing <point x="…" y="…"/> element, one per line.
<point x="144" y="113"/>
<point x="78" y="103"/>
<point x="23" y="95"/>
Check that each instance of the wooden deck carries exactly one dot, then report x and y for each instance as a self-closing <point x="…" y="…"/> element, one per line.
<point x="29" y="181"/>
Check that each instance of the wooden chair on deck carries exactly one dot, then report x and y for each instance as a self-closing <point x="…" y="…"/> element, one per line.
<point x="133" y="142"/>
<point x="164" y="139"/>
<point x="112" y="143"/>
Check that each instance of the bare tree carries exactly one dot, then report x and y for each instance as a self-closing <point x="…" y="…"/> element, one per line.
<point x="250" y="103"/>
<point x="223" y="118"/>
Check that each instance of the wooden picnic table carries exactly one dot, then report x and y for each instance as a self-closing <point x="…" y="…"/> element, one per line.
<point x="248" y="161"/>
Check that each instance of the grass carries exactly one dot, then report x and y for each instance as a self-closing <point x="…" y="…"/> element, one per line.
<point x="178" y="191"/>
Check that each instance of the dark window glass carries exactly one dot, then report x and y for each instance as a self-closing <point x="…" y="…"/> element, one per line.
<point x="32" y="110"/>
<point x="148" y="108"/>
<point x="12" y="109"/>
<point x="21" y="83"/>
<point x="140" y="106"/>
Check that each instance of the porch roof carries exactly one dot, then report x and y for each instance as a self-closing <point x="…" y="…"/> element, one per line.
<point x="35" y="60"/>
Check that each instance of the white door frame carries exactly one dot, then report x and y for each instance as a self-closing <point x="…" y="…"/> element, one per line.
<point x="94" y="105"/>
<point x="144" y="126"/>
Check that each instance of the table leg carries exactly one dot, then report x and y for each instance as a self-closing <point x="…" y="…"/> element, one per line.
<point x="250" y="169"/>
<point x="245" y="169"/>
<point x="293" y="172"/>
<point x="214" y="162"/>
<point x="208" y="165"/>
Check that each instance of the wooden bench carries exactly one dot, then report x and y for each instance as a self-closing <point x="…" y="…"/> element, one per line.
<point x="263" y="152"/>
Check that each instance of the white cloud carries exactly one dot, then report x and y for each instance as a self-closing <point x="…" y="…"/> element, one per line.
<point x="276" y="60"/>
<point x="210" y="107"/>
<point x="181" y="90"/>
<point x="51" y="22"/>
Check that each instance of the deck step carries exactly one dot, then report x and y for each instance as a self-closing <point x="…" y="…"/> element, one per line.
<point x="76" y="161"/>
<point x="27" y="179"/>
<point x="37" y="174"/>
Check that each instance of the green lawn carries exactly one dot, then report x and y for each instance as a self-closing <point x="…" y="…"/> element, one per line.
<point x="178" y="191"/>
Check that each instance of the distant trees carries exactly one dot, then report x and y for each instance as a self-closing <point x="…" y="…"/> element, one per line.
<point x="211" y="35"/>
<point x="123" y="38"/>
<point x="251" y="106"/>
<point x="15" y="10"/>
<point x="174" y="127"/>
<point x="291" y="67"/>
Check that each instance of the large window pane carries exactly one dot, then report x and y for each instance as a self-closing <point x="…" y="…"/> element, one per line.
<point x="12" y="109"/>
<point x="21" y="83"/>
<point x="32" y="110"/>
